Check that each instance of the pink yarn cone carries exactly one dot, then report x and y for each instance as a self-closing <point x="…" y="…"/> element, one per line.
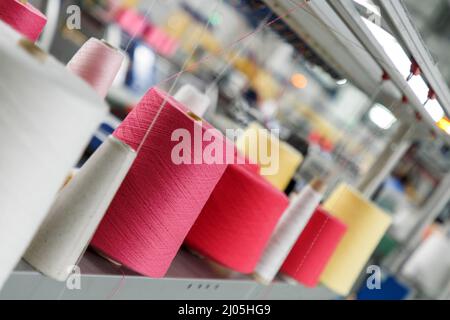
<point x="97" y="63"/>
<point x="23" y="17"/>
<point x="159" y="200"/>
<point x="237" y="221"/>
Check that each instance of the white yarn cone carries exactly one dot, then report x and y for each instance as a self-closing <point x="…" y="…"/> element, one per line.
<point x="47" y="118"/>
<point x="192" y="98"/>
<point x="429" y="265"/>
<point x="289" y="228"/>
<point x="78" y="210"/>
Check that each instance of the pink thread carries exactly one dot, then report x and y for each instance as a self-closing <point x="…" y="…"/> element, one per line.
<point x="314" y="248"/>
<point x="22" y="17"/>
<point x="238" y="219"/>
<point x="97" y="63"/>
<point x="158" y="201"/>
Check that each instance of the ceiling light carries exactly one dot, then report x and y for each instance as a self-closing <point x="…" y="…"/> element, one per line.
<point x="435" y="110"/>
<point x="381" y="116"/>
<point x="391" y="47"/>
<point x="444" y="124"/>
<point x="299" y="81"/>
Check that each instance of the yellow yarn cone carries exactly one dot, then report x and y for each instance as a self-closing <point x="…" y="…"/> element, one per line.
<point x="278" y="160"/>
<point x="366" y="226"/>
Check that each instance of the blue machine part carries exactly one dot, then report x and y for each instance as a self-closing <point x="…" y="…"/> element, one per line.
<point x="106" y="128"/>
<point x="391" y="289"/>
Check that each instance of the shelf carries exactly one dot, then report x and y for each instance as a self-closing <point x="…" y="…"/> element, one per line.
<point x="188" y="278"/>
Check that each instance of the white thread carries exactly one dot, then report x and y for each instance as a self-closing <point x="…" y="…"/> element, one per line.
<point x="429" y="265"/>
<point x="289" y="228"/>
<point x="192" y="98"/>
<point x="48" y="117"/>
<point x="78" y="210"/>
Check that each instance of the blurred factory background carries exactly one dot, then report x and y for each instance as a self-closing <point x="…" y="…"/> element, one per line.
<point x="314" y="83"/>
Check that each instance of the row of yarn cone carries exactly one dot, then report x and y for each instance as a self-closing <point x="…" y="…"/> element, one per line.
<point x="138" y="205"/>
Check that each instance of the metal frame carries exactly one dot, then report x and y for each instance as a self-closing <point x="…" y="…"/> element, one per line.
<point x="387" y="160"/>
<point x="398" y="19"/>
<point x="317" y="24"/>
<point x="334" y="28"/>
<point x="350" y="15"/>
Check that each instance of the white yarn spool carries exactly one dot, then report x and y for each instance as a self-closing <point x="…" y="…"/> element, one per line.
<point x="429" y="265"/>
<point x="289" y="228"/>
<point x="47" y="118"/>
<point x="78" y="209"/>
<point x="192" y="98"/>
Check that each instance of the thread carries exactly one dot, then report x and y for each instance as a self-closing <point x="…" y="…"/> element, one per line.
<point x="288" y="229"/>
<point x="159" y="200"/>
<point x="278" y="160"/>
<point x="97" y="63"/>
<point x="313" y="249"/>
<point x="191" y="97"/>
<point x="429" y="265"/>
<point x="48" y="117"/>
<point x="366" y="225"/>
<point x="237" y="221"/>
<point x="23" y="17"/>
<point x="78" y="209"/>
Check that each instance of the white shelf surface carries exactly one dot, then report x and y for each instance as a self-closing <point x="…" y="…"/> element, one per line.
<point x="189" y="278"/>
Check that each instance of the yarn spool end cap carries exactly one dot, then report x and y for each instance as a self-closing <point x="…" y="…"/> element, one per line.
<point x="106" y="43"/>
<point x="261" y="279"/>
<point x="32" y="49"/>
<point x="318" y="185"/>
<point x="194" y="116"/>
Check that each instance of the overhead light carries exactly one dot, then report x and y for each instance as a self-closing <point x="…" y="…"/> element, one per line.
<point x="299" y="81"/>
<point x="341" y="82"/>
<point x="444" y="124"/>
<point x="420" y="88"/>
<point x="435" y="110"/>
<point x="391" y="47"/>
<point x="399" y="58"/>
<point x="381" y="116"/>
